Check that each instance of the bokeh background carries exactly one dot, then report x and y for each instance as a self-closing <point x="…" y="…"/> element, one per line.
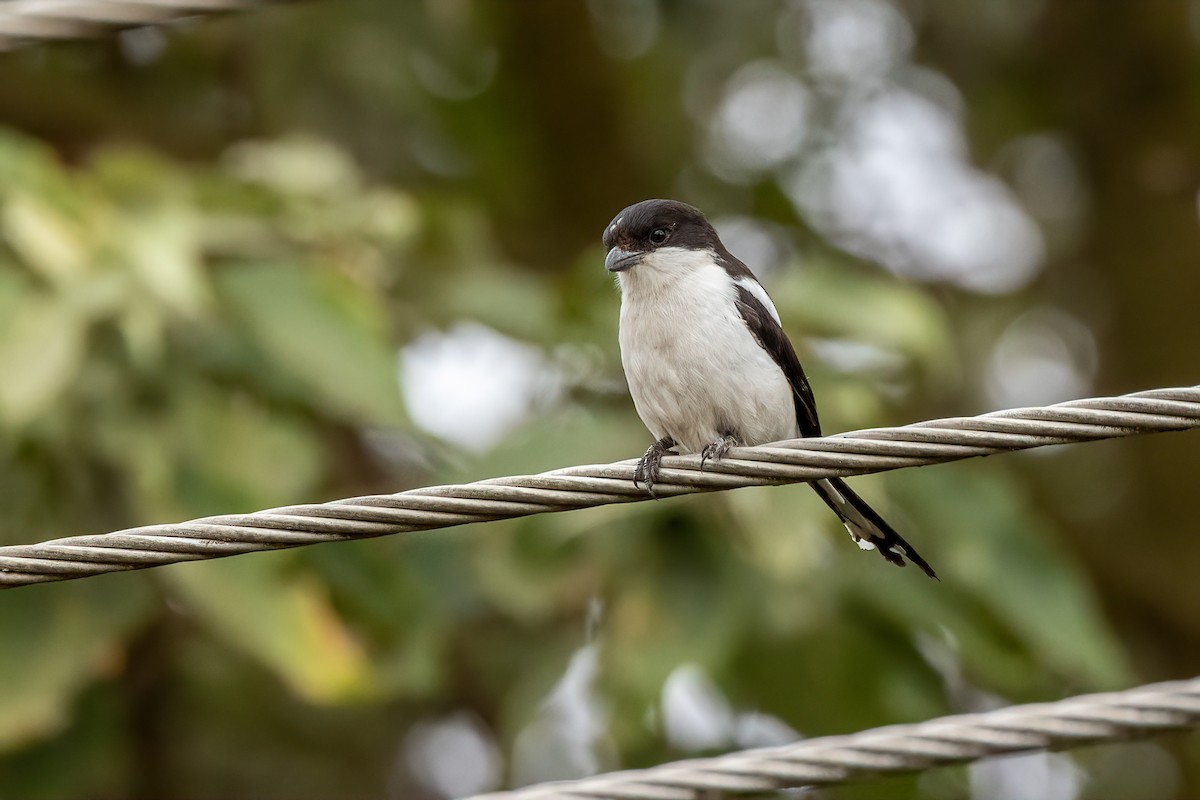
<point x="351" y="247"/>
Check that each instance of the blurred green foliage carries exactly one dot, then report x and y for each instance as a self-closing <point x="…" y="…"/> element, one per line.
<point x="204" y="311"/>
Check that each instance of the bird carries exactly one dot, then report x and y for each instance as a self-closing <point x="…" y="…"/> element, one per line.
<point x="707" y="361"/>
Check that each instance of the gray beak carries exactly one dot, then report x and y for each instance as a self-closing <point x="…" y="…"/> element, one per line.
<point x="619" y="260"/>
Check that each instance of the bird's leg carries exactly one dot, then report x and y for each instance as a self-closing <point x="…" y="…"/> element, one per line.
<point x="717" y="450"/>
<point x="647" y="468"/>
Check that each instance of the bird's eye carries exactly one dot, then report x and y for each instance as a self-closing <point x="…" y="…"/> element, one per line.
<point x="658" y="235"/>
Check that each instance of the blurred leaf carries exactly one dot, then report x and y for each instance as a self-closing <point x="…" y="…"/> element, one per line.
<point x="135" y="178"/>
<point x="162" y="249"/>
<point x="41" y="350"/>
<point x="325" y="331"/>
<point x="47" y="241"/>
<point x="14" y="290"/>
<point x="25" y="162"/>
<point x="282" y="619"/>
<point x="298" y="166"/>
<point x="57" y="640"/>
<point x="834" y="300"/>
<point x="210" y="452"/>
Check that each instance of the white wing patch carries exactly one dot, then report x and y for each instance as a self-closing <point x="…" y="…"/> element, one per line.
<point x="755" y="288"/>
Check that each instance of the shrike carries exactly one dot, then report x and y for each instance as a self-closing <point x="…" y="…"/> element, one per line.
<point x="708" y="364"/>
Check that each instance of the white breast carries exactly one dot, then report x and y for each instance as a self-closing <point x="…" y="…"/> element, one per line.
<point x="695" y="371"/>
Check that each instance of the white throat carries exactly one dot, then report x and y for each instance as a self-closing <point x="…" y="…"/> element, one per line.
<point x="666" y="268"/>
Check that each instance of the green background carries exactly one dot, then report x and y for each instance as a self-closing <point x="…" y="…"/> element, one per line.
<point x="331" y="249"/>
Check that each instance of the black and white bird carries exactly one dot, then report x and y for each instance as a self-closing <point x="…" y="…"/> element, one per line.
<point x="708" y="363"/>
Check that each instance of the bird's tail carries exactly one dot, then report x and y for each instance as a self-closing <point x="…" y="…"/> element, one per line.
<point x="866" y="526"/>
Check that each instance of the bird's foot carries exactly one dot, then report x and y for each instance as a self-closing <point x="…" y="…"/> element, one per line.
<point x="648" y="466"/>
<point x="717" y="450"/>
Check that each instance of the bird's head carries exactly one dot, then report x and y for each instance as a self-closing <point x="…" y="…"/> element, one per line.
<point x="658" y="236"/>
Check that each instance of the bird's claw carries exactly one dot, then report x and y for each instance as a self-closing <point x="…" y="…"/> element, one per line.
<point x="716" y="450"/>
<point x="649" y="464"/>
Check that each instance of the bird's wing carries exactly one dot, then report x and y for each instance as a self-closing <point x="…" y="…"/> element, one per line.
<point x="760" y="316"/>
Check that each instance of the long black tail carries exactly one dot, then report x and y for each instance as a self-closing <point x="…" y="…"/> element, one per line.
<point x="865" y="525"/>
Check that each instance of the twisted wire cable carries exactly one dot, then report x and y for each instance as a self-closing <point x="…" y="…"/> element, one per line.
<point x="791" y="461"/>
<point x="28" y="21"/>
<point x="1087" y="719"/>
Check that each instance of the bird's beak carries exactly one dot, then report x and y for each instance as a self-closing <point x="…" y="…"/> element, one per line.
<point x="619" y="260"/>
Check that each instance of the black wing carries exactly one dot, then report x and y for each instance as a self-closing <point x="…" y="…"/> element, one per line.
<point x="770" y="337"/>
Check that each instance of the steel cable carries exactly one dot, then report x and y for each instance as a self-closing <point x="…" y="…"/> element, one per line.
<point x="1087" y="719"/>
<point x="28" y="21"/>
<point x="793" y="461"/>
